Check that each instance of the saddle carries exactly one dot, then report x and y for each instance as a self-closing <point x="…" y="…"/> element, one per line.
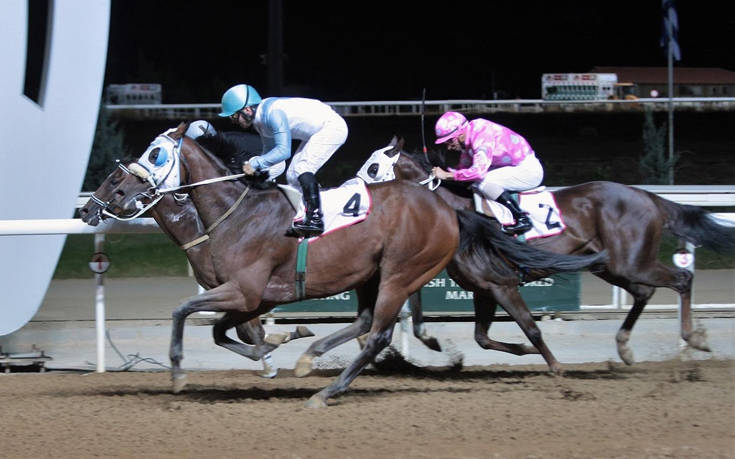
<point x="343" y="206"/>
<point x="537" y="202"/>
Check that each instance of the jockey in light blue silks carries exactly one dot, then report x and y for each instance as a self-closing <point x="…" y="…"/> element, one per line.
<point x="278" y="120"/>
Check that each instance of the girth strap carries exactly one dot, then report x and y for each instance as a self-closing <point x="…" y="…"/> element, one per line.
<point x="301" y="269"/>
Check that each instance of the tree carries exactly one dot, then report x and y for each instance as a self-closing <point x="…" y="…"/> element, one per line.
<point x="107" y="146"/>
<point x="654" y="166"/>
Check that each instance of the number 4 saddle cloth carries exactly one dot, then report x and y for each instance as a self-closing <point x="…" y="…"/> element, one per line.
<point x="343" y="206"/>
<point x="540" y="205"/>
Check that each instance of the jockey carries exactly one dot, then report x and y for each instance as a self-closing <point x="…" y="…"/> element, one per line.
<point x="232" y="145"/>
<point x="279" y="119"/>
<point x="494" y="157"/>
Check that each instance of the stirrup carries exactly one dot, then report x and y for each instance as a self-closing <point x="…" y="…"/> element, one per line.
<point x="305" y="228"/>
<point x="521" y="225"/>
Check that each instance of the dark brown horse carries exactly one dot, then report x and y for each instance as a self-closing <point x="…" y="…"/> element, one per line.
<point x="178" y="219"/>
<point x="625" y="221"/>
<point x="409" y="236"/>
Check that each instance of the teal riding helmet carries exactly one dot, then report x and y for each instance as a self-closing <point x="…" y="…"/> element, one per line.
<point x="238" y="97"/>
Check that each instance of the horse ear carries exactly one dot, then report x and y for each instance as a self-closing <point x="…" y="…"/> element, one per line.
<point x="401" y="143"/>
<point x="393" y="142"/>
<point x="181" y="129"/>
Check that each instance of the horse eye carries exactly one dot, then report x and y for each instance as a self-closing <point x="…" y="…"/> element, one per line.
<point x="153" y="155"/>
<point x="372" y="171"/>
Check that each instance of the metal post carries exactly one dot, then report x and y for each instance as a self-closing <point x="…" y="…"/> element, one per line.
<point x="671" y="111"/>
<point x="405" y="318"/>
<point x="688" y="246"/>
<point x="99" y="315"/>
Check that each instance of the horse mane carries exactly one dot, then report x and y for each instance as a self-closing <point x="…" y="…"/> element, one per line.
<point x="231" y="150"/>
<point x="438" y="158"/>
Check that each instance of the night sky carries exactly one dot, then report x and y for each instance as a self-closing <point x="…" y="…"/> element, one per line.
<point x="391" y="50"/>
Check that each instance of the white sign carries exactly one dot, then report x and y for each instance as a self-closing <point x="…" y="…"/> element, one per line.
<point x="683" y="258"/>
<point x="100" y="263"/>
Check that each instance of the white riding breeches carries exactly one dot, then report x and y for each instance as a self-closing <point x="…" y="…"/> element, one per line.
<point x="316" y="150"/>
<point x="526" y="175"/>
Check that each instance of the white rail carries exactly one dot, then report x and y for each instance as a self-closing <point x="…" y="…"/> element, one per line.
<point x="433" y="107"/>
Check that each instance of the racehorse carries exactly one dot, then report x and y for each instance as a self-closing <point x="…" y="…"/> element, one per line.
<point x="625" y="221"/>
<point x="407" y="238"/>
<point x="178" y="219"/>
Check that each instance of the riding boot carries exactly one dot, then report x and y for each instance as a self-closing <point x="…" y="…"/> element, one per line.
<point x="312" y="224"/>
<point x="523" y="223"/>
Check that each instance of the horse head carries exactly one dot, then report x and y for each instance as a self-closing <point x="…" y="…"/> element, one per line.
<point x="131" y="190"/>
<point x="394" y="162"/>
<point x="379" y="166"/>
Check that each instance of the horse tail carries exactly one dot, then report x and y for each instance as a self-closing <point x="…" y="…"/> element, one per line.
<point x="696" y="225"/>
<point x="483" y="241"/>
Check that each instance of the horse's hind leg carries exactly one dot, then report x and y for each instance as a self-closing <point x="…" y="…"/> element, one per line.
<point x="252" y="332"/>
<point x="359" y="327"/>
<point x="511" y="300"/>
<point x="381" y="333"/>
<point x="419" y="327"/>
<point x="641" y="287"/>
<point x="484" y="314"/>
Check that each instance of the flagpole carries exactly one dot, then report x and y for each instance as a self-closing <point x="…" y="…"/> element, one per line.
<point x="671" y="111"/>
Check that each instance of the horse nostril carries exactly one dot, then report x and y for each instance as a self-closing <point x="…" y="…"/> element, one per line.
<point x="120" y="193"/>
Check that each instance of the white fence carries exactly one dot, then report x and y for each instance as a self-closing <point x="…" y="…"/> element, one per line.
<point x="437" y="107"/>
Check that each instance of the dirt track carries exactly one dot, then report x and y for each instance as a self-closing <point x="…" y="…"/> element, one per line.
<point x="673" y="409"/>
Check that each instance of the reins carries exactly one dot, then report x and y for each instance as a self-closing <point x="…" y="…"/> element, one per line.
<point x="158" y="193"/>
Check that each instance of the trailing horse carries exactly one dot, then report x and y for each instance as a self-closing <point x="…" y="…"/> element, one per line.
<point x="626" y="222"/>
<point x="408" y="237"/>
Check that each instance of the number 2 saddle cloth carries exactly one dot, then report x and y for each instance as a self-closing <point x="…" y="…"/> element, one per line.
<point x="540" y="205"/>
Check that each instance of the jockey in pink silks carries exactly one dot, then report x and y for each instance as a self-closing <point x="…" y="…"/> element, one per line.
<point x="497" y="159"/>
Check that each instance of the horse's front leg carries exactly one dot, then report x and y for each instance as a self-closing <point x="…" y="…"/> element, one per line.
<point x="224" y="298"/>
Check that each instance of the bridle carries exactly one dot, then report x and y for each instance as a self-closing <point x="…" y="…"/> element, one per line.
<point x="155" y="193"/>
<point x="133" y="170"/>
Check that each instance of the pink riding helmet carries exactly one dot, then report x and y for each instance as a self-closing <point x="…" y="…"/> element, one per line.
<point x="449" y="126"/>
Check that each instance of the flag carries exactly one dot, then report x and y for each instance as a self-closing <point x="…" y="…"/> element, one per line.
<point x="670" y="32"/>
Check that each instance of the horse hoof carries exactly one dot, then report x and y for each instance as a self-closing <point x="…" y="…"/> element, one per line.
<point x="626" y="355"/>
<point x="303" y="332"/>
<point x="432" y="343"/>
<point x="268" y="373"/>
<point x="698" y="340"/>
<point x="276" y="339"/>
<point x="556" y="371"/>
<point x="315" y="402"/>
<point x="178" y="382"/>
<point x="303" y="366"/>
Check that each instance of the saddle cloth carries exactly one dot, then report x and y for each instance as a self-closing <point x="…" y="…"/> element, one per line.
<point x="540" y="205"/>
<point x="343" y="206"/>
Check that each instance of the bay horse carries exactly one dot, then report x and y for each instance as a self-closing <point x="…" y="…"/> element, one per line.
<point x="178" y="219"/>
<point x="407" y="238"/>
<point x="625" y="221"/>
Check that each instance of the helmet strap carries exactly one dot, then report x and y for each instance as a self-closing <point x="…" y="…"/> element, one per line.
<point x="250" y="115"/>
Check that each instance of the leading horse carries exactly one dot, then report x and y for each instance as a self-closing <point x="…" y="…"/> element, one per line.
<point x="178" y="219"/>
<point x="627" y="222"/>
<point x="409" y="236"/>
